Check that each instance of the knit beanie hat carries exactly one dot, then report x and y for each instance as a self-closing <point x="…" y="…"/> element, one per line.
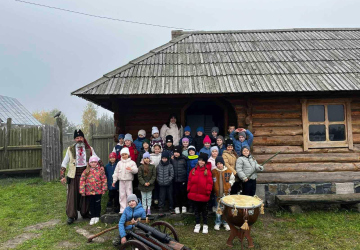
<point x="187" y="128"/>
<point x="128" y="137"/>
<point x="124" y="151"/>
<point x="229" y="142"/>
<point x="178" y="149"/>
<point x="121" y="136"/>
<point x="185" y="139"/>
<point x="207" y="139"/>
<point x="142" y="132"/>
<point x="221" y="137"/>
<point x="203" y="156"/>
<point x="169" y="138"/>
<point x="219" y="159"/>
<point x="146" y="155"/>
<point x="132" y="197"/>
<point x="93" y="158"/>
<point x="243" y="147"/>
<point x="214" y="148"/>
<point x="216" y="129"/>
<point x="154" y="130"/>
<point x="165" y="154"/>
<point x="200" y="129"/>
<point x="112" y="155"/>
<point x="243" y="134"/>
<point x="146" y="141"/>
<point x="191" y="148"/>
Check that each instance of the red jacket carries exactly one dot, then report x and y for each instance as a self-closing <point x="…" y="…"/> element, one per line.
<point x="94" y="183"/>
<point x="200" y="185"/>
<point x="133" y="152"/>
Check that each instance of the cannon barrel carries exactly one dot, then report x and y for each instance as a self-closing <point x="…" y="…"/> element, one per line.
<point x="146" y="242"/>
<point x="164" y="238"/>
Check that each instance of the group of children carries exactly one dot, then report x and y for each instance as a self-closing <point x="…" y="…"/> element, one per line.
<point x="197" y="172"/>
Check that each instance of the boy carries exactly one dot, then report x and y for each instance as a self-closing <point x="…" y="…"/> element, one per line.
<point x="180" y="179"/>
<point x="231" y="128"/>
<point x="206" y="148"/>
<point x="156" y="139"/>
<point x="220" y="143"/>
<point x="169" y="144"/>
<point x="139" y="141"/>
<point x="187" y="134"/>
<point x="164" y="177"/>
<point x="214" y="135"/>
<point x="119" y="146"/>
<point x="192" y="159"/>
<point x="223" y="180"/>
<point x="113" y="191"/>
<point x="245" y="139"/>
<point x="199" y="138"/>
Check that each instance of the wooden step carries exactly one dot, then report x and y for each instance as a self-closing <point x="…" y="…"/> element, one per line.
<point x="318" y="198"/>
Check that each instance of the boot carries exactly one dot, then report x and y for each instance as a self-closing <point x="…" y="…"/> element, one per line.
<point x="148" y="211"/>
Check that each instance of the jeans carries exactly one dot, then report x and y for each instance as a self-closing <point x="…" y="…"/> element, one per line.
<point x="218" y="220"/>
<point x="146" y="199"/>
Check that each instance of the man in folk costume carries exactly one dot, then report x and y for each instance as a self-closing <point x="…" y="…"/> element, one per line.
<point x="77" y="156"/>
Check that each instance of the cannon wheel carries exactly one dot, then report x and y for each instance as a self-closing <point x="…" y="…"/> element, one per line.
<point x="166" y="228"/>
<point x="134" y="244"/>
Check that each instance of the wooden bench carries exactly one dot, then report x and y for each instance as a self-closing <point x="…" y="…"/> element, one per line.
<point x="293" y="201"/>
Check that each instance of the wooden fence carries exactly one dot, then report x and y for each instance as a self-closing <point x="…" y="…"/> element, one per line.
<point x="101" y="138"/>
<point x="25" y="149"/>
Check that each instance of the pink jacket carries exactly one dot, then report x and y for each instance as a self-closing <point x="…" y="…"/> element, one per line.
<point x="121" y="173"/>
<point x="94" y="183"/>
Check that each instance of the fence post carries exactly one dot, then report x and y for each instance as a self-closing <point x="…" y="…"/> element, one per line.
<point x="91" y="135"/>
<point x="7" y="141"/>
<point x="60" y="125"/>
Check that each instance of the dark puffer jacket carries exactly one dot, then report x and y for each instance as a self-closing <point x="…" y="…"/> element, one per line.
<point x="180" y="168"/>
<point x="164" y="174"/>
<point x="198" y="142"/>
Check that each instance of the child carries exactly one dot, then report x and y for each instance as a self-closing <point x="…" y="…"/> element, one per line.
<point x="93" y="183"/>
<point x="214" y="153"/>
<point x="230" y="157"/>
<point x="245" y="139"/>
<point x="180" y="179"/>
<point x="141" y="137"/>
<point x="119" y="146"/>
<point x="113" y="191"/>
<point x="223" y="180"/>
<point x="147" y="177"/>
<point x="155" y="159"/>
<point x="220" y="142"/>
<point x="185" y="146"/>
<point x="214" y="135"/>
<point x="199" y="189"/>
<point x="169" y="145"/>
<point x="231" y="128"/>
<point x="145" y="147"/>
<point x="246" y="167"/>
<point x="131" y="146"/>
<point x="192" y="159"/>
<point x="187" y="134"/>
<point x="199" y="138"/>
<point x="124" y="173"/>
<point x="164" y="177"/>
<point x="131" y="213"/>
<point x="206" y="148"/>
<point x="155" y="138"/>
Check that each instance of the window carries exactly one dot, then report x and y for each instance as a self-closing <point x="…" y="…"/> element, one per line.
<point x="326" y="124"/>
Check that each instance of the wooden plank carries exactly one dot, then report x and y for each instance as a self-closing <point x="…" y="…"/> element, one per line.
<point x="320" y="157"/>
<point x="296" y="140"/>
<point x="311" y="167"/>
<point x="356" y="129"/>
<point x="305" y="124"/>
<point x="277" y="107"/>
<point x="44" y="152"/>
<point x="20" y="170"/>
<point x="355" y="120"/>
<point x="308" y="177"/>
<point x="277" y="115"/>
<point x="318" y="198"/>
<point x="104" y="136"/>
<point x="299" y="149"/>
<point x="6" y="161"/>
<point x="21" y="148"/>
<point x="274" y="131"/>
<point x="349" y="125"/>
<point x="277" y="122"/>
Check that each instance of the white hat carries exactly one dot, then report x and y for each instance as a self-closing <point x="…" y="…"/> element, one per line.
<point x="214" y="148"/>
<point x="128" y="137"/>
<point x="124" y="151"/>
<point x="142" y="132"/>
<point x="154" y="130"/>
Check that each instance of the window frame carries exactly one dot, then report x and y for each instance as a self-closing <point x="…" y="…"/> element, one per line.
<point x="348" y="143"/>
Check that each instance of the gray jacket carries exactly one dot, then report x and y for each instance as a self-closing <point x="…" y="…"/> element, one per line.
<point x="164" y="174"/>
<point x="245" y="166"/>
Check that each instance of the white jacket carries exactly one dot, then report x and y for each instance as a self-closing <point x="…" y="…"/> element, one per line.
<point x="173" y="130"/>
<point x="121" y="173"/>
<point x="155" y="159"/>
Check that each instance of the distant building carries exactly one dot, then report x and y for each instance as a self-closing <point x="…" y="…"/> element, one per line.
<point x="12" y="108"/>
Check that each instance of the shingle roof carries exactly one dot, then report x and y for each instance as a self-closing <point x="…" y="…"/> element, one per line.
<point x="294" y="60"/>
<point x="12" y="108"/>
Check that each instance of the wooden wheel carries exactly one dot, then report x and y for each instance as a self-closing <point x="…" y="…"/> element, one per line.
<point x="166" y="228"/>
<point x="134" y="244"/>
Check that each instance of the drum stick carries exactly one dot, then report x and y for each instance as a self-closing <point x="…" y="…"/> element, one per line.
<point x="264" y="163"/>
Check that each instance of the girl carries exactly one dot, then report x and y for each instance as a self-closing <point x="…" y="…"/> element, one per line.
<point x="133" y="153"/>
<point x="139" y="141"/>
<point x="173" y="128"/>
<point x="93" y="183"/>
<point x="220" y="143"/>
<point x="192" y="159"/>
<point x="214" y="135"/>
<point x="247" y="167"/>
<point x="155" y="138"/>
<point x="185" y="144"/>
<point x="145" y="147"/>
<point x="147" y="177"/>
<point x="199" y="138"/>
<point x="187" y="134"/>
<point x="155" y="159"/>
<point x="230" y="157"/>
<point x="180" y="179"/>
<point x="124" y="173"/>
<point x="199" y="189"/>
<point x="169" y="146"/>
<point x="207" y="144"/>
<point x="119" y="146"/>
<point x="113" y="191"/>
<point x="214" y="153"/>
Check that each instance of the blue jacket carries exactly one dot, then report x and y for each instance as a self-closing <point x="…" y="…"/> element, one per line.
<point x="206" y="151"/>
<point x="239" y="144"/>
<point x="109" y="171"/>
<point x="221" y="150"/>
<point x="117" y="150"/>
<point x="191" y="163"/>
<point x="189" y="137"/>
<point x="138" y="143"/>
<point x="128" y="214"/>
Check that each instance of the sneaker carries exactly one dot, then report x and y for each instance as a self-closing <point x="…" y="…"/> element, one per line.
<point x="70" y="221"/>
<point x="205" y="229"/>
<point x="217" y="227"/>
<point x="227" y="227"/>
<point x="148" y="212"/>
<point x="96" y="220"/>
<point x="92" y="221"/>
<point x="177" y="210"/>
<point x="197" y="228"/>
<point x="183" y="210"/>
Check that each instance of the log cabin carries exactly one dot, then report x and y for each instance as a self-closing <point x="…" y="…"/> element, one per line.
<point x="297" y="90"/>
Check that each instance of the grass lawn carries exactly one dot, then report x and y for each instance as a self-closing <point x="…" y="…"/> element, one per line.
<point x="28" y="201"/>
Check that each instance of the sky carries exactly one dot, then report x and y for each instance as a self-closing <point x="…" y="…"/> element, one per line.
<point x="45" y="54"/>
